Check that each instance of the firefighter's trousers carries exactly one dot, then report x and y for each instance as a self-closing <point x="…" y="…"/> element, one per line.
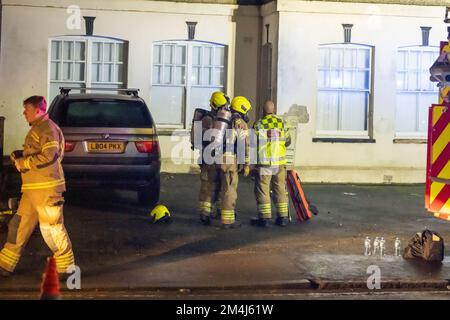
<point x="271" y="178"/>
<point x="45" y="207"/>
<point x="228" y="191"/>
<point x="209" y="188"/>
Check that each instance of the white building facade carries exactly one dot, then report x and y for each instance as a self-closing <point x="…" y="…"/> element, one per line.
<point x="357" y="105"/>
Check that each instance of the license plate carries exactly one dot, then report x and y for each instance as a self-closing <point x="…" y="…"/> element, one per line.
<point x="105" y="147"/>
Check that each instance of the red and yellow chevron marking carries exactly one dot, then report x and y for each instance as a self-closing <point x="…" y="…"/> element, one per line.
<point x="438" y="166"/>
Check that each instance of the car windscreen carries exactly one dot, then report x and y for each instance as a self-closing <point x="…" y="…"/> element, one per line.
<point x="105" y="113"/>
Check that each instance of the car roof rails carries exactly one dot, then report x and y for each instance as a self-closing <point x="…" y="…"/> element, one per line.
<point x="129" y="91"/>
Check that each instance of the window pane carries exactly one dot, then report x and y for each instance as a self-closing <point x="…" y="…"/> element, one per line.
<point x="195" y="76"/>
<point x="217" y="76"/>
<point x="324" y="57"/>
<point x="336" y="79"/>
<point x="413" y="60"/>
<point x="206" y="56"/>
<point x="96" y="72"/>
<point x="180" y="57"/>
<point x="353" y="115"/>
<point x="167" y="104"/>
<point x="108" y="47"/>
<point x="362" y="80"/>
<point x="119" y="52"/>
<point x="348" y="79"/>
<point x="168" y="54"/>
<point x="363" y="58"/>
<point x="179" y="75"/>
<point x="119" y="73"/>
<point x="78" y="72"/>
<point x="413" y="79"/>
<point x="219" y="56"/>
<point x="401" y="60"/>
<point x="324" y="79"/>
<point x="425" y="101"/>
<point x="327" y="117"/>
<point x="206" y="76"/>
<point x="67" y="50"/>
<point x="67" y="71"/>
<point x="54" y="71"/>
<point x="157" y="54"/>
<point x="406" y="115"/>
<point x="196" y="55"/>
<point x="156" y="75"/>
<point x="79" y="51"/>
<point x="425" y="83"/>
<point x="401" y="81"/>
<point x="56" y="50"/>
<point x="97" y="51"/>
<point x="336" y="58"/>
<point x="107" y="73"/>
<point x="167" y="76"/>
<point x="429" y="59"/>
<point x="350" y="58"/>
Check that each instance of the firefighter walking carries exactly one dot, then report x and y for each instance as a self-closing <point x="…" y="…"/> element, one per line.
<point x="42" y="186"/>
<point x="272" y="139"/>
<point x="235" y="150"/>
<point x="209" y="173"/>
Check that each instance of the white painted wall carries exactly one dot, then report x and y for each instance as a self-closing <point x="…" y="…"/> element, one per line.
<point x="306" y="25"/>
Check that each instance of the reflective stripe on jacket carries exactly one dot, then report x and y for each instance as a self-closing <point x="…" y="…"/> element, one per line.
<point x="42" y="155"/>
<point x="273" y="138"/>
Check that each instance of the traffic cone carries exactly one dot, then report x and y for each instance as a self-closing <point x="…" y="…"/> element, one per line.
<point x="50" y="282"/>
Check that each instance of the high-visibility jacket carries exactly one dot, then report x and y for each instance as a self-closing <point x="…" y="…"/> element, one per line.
<point x="272" y="138"/>
<point x="43" y="152"/>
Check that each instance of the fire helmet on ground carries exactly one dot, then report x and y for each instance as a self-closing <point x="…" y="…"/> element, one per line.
<point x="160" y="214"/>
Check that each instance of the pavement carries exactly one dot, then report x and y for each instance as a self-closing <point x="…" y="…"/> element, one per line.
<point x="122" y="254"/>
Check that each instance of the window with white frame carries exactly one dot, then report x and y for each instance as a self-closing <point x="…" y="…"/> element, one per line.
<point x="107" y="62"/>
<point x="415" y="91"/>
<point x="84" y="61"/>
<point x="185" y="73"/>
<point x="344" y="88"/>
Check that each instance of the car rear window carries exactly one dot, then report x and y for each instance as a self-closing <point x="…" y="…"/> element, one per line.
<point x="114" y="113"/>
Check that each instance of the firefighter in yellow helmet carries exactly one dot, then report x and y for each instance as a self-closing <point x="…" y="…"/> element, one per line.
<point x="272" y="139"/>
<point x="234" y="142"/>
<point x="42" y="186"/>
<point x="209" y="173"/>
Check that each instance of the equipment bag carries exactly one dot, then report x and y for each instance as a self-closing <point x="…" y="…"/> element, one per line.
<point x="303" y="208"/>
<point x="427" y="245"/>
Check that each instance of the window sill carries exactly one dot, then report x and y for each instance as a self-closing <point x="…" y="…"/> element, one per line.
<point x="344" y="140"/>
<point x="410" y="140"/>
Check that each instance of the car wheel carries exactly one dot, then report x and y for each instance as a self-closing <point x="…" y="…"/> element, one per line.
<point x="149" y="195"/>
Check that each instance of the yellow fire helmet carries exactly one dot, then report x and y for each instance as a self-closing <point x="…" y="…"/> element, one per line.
<point x="218" y="100"/>
<point x="160" y="213"/>
<point x="241" y="104"/>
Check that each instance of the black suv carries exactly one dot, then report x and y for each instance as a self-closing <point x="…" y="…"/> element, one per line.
<point x="110" y="141"/>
